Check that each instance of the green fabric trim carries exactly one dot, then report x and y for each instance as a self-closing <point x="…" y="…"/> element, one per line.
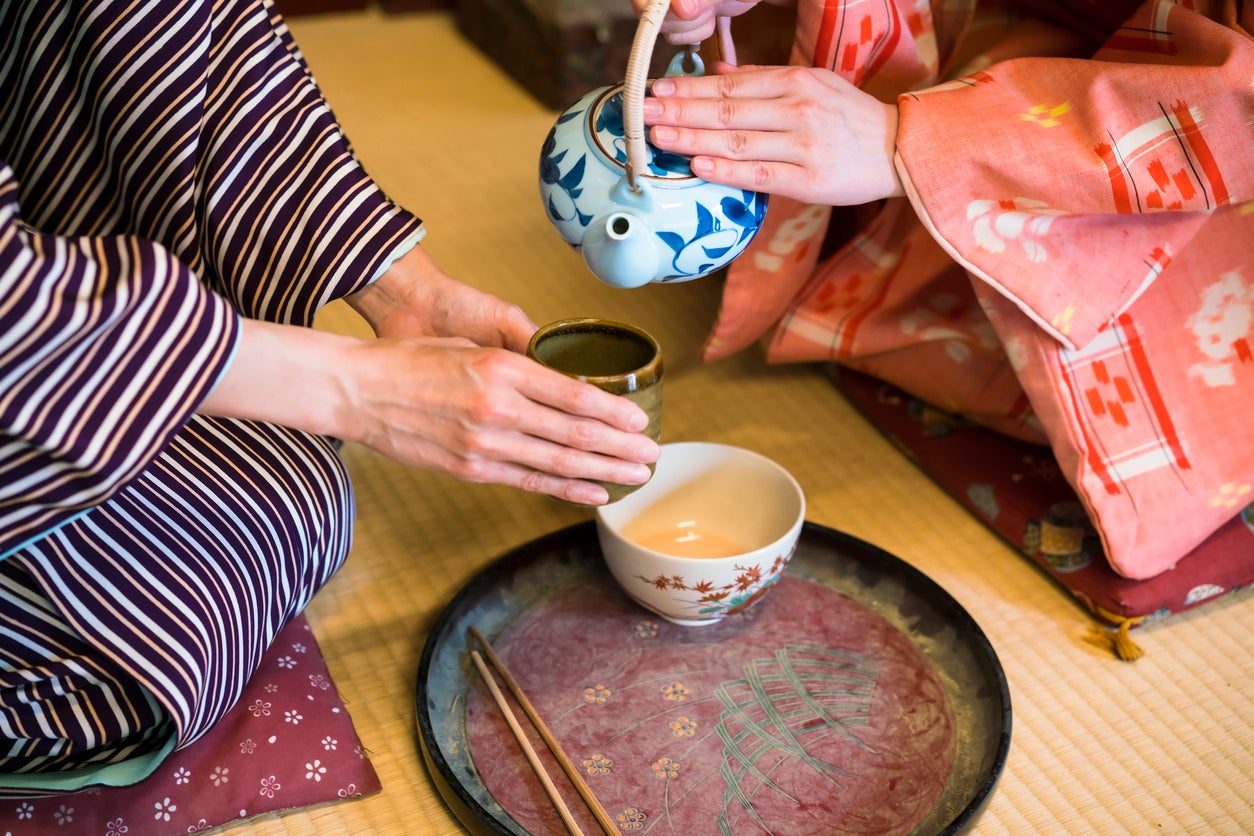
<point x="120" y="774"/>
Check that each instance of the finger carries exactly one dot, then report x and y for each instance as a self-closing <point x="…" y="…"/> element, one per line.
<point x="551" y="436"/>
<point x="484" y="454"/>
<point x="539" y="467"/>
<point x="559" y="441"/>
<point x="755" y="176"/>
<point x="572" y="490"/>
<point x="523" y="396"/>
<point x="754" y="147"/>
<point x="684" y="33"/>
<point x="745" y="81"/>
<point x="518" y="476"/>
<point x="720" y="114"/>
<point x="567" y="396"/>
<point x="566" y="462"/>
<point x="690" y="9"/>
<point x="515" y="329"/>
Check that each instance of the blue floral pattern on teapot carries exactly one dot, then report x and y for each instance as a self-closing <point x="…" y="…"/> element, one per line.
<point x="669" y="226"/>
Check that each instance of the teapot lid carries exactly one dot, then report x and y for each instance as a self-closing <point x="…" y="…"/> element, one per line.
<point x="606" y="128"/>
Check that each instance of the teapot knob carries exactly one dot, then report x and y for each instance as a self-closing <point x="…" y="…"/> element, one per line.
<point x="687" y="62"/>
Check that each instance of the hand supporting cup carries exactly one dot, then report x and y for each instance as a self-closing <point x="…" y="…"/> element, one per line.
<point x="614" y="356"/>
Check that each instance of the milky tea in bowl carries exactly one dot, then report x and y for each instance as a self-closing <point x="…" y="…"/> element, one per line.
<point x="707" y="536"/>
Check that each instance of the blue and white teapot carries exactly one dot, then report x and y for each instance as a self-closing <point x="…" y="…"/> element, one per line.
<point x="636" y="213"/>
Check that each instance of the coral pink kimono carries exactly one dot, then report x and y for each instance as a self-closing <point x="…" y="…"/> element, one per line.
<point x="1074" y="260"/>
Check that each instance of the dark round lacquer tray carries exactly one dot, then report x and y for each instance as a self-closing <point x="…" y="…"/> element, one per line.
<point x="856" y="696"/>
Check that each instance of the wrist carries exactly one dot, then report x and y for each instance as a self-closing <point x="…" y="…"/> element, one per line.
<point x="390" y="292"/>
<point x="892" y="119"/>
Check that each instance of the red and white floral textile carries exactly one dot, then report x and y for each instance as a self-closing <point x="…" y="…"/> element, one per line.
<point x="288" y="743"/>
<point x="1071" y="263"/>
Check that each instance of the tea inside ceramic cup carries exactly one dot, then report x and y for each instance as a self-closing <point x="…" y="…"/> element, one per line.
<point x="595" y="351"/>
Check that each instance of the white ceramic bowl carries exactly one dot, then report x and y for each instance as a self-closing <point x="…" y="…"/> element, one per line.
<point x="707" y="536"/>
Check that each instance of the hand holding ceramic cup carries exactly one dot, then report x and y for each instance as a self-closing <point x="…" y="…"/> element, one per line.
<point x="707" y="536"/>
<point x="614" y="356"/>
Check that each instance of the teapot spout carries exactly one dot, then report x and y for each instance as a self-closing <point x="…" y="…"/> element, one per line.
<point x="620" y="250"/>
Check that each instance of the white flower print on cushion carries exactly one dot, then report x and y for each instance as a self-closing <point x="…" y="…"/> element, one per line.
<point x="270" y="786"/>
<point x="164" y="808"/>
<point x="199" y="786"/>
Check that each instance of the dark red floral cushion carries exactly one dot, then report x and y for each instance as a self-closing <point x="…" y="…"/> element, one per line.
<point x="288" y="743"/>
<point x="1017" y="490"/>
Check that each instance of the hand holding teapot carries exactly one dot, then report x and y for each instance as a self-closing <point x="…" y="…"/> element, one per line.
<point x="635" y="213"/>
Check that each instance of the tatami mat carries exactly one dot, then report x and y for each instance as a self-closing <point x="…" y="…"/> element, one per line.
<point x="1162" y="745"/>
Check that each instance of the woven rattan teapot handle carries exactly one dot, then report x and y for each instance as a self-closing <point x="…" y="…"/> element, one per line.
<point x="637" y="78"/>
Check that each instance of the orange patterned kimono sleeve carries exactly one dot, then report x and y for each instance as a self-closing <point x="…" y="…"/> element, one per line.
<point x="1069" y="186"/>
<point x="1105" y="209"/>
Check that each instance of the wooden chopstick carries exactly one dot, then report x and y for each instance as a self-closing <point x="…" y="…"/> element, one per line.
<point x="568" y="766"/>
<point x="567" y="819"/>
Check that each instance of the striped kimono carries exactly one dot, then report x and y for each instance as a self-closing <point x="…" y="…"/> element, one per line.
<point x="166" y="168"/>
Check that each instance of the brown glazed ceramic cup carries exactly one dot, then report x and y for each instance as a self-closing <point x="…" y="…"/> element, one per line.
<point x="614" y="356"/>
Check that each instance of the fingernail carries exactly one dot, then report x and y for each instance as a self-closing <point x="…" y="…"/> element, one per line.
<point x="701" y="165"/>
<point x="640" y="475"/>
<point x="652" y="108"/>
<point x="661" y="133"/>
<point x="593" y="495"/>
<point x="663" y="87"/>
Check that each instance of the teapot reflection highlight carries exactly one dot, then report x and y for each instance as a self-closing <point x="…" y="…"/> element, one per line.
<point x="636" y="213"/>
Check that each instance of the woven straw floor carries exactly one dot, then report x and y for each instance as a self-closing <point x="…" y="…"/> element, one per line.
<point x="1162" y="745"/>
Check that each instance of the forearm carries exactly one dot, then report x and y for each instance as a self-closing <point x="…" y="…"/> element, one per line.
<point x="289" y="375"/>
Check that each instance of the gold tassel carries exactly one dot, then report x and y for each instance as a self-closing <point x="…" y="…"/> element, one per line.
<point x="1119" y="641"/>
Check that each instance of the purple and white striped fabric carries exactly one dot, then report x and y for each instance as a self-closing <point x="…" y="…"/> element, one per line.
<point x="165" y="169"/>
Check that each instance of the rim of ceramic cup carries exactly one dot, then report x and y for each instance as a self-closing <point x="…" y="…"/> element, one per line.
<point x="590" y="323"/>
<point x="616" y="515"/>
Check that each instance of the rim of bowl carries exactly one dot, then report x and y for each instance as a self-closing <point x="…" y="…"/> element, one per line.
<point x="794" y="526"/>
